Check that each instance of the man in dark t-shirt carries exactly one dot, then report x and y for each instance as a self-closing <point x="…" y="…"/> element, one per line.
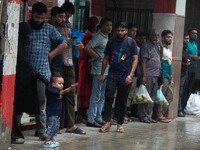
<point x="186" y="61"/>
<point x="122" y="58"/>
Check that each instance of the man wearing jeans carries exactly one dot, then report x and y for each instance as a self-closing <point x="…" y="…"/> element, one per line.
<point x="122" y="58"/>
<point x="95" y="49"/>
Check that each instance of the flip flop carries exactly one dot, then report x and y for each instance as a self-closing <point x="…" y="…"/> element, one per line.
<point x="76" y="131"/>
<point x="120" y="129"/>
<point x="164" y="120"/>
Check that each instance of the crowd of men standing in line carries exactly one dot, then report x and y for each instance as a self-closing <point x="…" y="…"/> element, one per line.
<point x="109" y="72"/>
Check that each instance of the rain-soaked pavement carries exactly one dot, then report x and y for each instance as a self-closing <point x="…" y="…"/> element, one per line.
<point x="180" y="134"/>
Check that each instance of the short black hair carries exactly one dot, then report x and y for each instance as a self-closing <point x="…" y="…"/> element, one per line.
<point x="165" y="32"/>
<point x="54" y="77"/>
<point x="185" y="34"/>
<point x="121" y="24"/>
<point x="56" y="10"/>
<point x="39" y="8"/>
<point x="104" y="21"/>
<point x="192" y="29"/>
<point x="68" y="6"/>
<point x="140" y="34"/>
<point x="132" y="25"/>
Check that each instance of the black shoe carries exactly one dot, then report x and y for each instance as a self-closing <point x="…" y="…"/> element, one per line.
<point x="100" y="122"/>
<point x="180" y="114"/>
<point x="93" y="124"/>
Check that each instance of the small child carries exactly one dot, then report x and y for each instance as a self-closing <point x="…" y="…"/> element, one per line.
<point x="54" y="94"/>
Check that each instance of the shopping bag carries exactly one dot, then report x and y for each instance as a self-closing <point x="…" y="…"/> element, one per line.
<point x="141" y="95"/>
<point x="160" y="98"/>
<point x="193" y="104"/>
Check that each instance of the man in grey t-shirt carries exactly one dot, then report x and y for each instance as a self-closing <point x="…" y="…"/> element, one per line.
<point x="151" y="70"/>
<point x="95" y="49"/>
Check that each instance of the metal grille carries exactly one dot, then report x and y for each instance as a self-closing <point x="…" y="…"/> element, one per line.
<point x="81" y="14"/>
<point x="141" y="17"/>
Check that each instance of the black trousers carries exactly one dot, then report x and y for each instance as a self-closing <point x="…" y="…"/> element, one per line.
<point x="122" y="90"/>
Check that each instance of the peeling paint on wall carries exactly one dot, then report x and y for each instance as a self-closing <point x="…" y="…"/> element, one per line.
<point x="11" y="41"/>
<point x="9" y="44"/>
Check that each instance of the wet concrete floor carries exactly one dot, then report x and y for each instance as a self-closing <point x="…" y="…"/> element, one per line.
<point x="180" y="134"/>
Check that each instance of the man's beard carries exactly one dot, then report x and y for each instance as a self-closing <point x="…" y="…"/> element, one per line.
<point x="168" y="43"/>
<point x="35" y="25"/>
<point x="63" y="24"/>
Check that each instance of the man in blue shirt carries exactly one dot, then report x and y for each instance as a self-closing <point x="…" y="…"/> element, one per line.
<point x="123" y="59"/>
<point x="38" y="54"/>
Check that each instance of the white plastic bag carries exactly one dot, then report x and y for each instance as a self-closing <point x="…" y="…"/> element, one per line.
<point x="142" y="95"/>
<point x="193" y="104"/>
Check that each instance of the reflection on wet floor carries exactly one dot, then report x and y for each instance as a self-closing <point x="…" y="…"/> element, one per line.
<point x="180" y="134"/>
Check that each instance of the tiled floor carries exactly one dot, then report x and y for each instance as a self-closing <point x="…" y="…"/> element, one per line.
<point x="180" y="134"/>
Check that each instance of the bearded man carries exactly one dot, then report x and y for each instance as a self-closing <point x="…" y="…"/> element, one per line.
<point x="38" y="53"/>
<point x="166" y="65"/>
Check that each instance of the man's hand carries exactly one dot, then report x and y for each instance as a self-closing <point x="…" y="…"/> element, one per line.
<point x="144" y="80"/>
<point x="171" y="82"/>
<point x="79" y="46"/>
<point x="50" y="57"/>
<point x="42" y="78"/>
<point x="70" y="41"/>
<point x="101" y="79"/>
<point x="129" y="79"/>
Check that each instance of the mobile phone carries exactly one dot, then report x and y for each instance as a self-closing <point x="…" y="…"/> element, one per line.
<point x="75" y="37"/>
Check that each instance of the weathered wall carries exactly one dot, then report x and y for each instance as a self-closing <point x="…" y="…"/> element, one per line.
<point x="10" y="21"/>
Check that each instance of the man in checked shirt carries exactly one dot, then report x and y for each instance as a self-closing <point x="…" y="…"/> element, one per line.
<point x="38" y="54"/>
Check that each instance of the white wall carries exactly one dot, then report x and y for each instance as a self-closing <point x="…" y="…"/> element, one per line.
<point x="180" y="7"/>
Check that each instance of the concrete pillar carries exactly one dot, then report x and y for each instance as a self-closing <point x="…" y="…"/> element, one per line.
<point x="10" y="21"/>
<point x="170" y="14"/>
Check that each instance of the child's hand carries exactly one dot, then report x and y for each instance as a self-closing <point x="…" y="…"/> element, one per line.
<point x="73" y="86"/>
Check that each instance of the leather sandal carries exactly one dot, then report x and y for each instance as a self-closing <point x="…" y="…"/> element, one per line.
<point x="120" y="129"/>
<point x="105" y="128"/>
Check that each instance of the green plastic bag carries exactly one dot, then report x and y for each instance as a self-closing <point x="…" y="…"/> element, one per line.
<point x="160" y="98"/>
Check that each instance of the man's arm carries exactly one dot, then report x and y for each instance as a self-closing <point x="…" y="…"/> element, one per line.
<point x="134" y="65"/>
<point x="91" y="51"/>
<point x="57" y="50"/>
<point x="143" y="69"/>
<point x="103" y="68"/>
<point x="129" y="78"/>
<point x="194" y="57"/>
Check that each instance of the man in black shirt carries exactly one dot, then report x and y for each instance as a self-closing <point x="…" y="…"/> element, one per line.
<point x="184" y="74"/>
